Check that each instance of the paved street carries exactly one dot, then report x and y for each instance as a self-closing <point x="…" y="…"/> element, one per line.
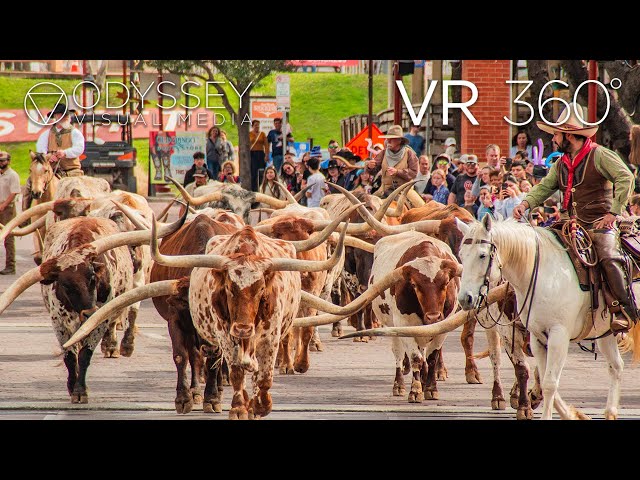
<point x="347" y="381"/>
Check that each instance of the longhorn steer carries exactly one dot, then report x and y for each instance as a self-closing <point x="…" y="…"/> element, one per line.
<point x="426" y="294"/>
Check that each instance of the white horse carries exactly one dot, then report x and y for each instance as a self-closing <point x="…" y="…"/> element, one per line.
<point x="556" y="312"/>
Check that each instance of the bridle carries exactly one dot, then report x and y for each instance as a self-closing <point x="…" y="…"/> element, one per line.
<point x="484" y="288"/>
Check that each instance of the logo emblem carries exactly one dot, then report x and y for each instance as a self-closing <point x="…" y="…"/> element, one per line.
<point x="38" y="99"/>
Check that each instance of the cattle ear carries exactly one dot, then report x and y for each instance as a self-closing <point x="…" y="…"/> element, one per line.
<point x="487" y="222"/>
<point x="50" y="277"/>
<point x="454" y="267"/>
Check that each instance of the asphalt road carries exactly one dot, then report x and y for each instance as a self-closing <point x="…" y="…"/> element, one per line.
<point x="348" y="381"/>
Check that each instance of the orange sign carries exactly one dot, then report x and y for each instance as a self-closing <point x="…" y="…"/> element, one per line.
<point x="359" y="144"/>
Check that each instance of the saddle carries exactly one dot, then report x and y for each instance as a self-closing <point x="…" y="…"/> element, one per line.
<point x="586" y="275"/>
<point x="630" y="241"/>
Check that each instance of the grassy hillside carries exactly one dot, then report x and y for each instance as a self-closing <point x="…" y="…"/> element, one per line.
<point x="318" y="102"/>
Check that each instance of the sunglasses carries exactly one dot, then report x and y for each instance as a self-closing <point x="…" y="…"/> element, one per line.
<point x="333" y="147"/>
<point x="443" y="163"/>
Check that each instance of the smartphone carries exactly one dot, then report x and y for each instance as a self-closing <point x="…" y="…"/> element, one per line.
<point x="535" y="216"/>
<point x="549" y="210"/>
<point x="505" y="186"/>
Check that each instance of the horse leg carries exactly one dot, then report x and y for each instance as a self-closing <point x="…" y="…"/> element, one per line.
<point x="399" y="389"/>
<point x="466" y="338"/>
<point x="609" y="348"/>
<point x="513" y="345"/>
<point x="557" y="349"/>
<point x="497" y="396"/>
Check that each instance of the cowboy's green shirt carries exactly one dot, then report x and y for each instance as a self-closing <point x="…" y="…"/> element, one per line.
<point x="608" y="164"/>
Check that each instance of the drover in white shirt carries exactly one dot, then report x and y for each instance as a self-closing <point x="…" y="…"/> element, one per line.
<point x="77" y="142"/>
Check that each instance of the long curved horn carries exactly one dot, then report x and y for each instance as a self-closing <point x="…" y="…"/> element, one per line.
<point x="358" y="304"/>
<point x="379" y="215"/>
<point x="21" y="232"/>
<point x="399" y="210"/>
<point x="108" y="310"/>
<point x="27" y="279"/>
<point x="315" y="240"/>
<point x="415" y="199"/>
<point x="445" y="326"/>
<point x="354" y="242"/>
<point x="263" y="209"/>
<point x="40" y="209"/>
<point x="211" y="197"/>
<point x="274" y="202"/>
<point x="299" y="195"/>
<point x="163" y="215"/>
<point x="183" y="261"/>
<point x="139" y="222"/>
<point x="296" y="265"/>
<point x="290" y="197"/>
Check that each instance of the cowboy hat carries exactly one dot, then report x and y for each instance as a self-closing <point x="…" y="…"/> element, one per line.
<point x="229" y="162"/>
<point x="395" y="132"/>
<point x="573" y="124"/>
<point x="60" y="108"/>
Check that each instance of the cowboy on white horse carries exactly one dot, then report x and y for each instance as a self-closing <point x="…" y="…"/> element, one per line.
<point x="596" y="184"/>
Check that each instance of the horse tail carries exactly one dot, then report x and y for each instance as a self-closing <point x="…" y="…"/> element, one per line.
<point x="631" y="343"/>
<point x="480" y="355"/>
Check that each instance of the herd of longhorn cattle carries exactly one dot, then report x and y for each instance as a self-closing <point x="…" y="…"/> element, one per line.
<point x="241" y="297"/>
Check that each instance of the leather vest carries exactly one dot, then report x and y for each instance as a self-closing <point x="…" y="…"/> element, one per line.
<point x="391" y="182"/>
<point x="591" y="194"/>
<point x="65" y="163"/>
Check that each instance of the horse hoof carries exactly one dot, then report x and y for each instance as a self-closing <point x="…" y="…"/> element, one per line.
<point x="610" y="415"/>
<point x="431" y="395"/>
<point x="524" y="413"/>
<point x="498" y="404"/>
<point x="473" y="377"/>
<point x="535" y="399"/>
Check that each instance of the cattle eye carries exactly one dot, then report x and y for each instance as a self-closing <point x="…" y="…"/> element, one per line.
<point x="483" y="255"/>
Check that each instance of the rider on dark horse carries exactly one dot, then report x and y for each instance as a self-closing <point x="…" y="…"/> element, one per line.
<point x="596" y="184"/>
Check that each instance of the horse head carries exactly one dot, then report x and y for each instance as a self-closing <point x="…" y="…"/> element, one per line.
<point x="479" y="257"/>
<point x="41" y="173"/>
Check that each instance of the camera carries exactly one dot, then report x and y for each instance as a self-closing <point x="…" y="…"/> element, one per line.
<point x="549" y="210"/>
<point x="535" y="216"/>
<point x="509" y="162"/>
<point x="504" y="185"/>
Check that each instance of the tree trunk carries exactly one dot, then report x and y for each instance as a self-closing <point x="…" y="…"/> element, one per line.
<point x="629" y="92"/>
<point x="614" y="130"/>
<point x="539" y="75"/>
<point x="244" y="160"/>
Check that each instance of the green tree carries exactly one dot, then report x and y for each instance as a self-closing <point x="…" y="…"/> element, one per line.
<point x="243" y="76"/>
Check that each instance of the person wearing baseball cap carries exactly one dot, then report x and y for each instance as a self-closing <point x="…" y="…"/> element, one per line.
<point x="398" y="163"/>
<point x="450" y="146"/>
<point x="9" y="189"/>
<point x="464" y="181"/>
<point x="597" y="185"/>
<point x="62" y="143"/>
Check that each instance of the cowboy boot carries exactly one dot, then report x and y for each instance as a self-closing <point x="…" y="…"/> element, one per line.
<point x="613" y="266"/>
<point x="167" y="167"/>
<point x="157" y="165"/>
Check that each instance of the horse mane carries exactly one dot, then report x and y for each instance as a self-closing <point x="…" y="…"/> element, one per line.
<point x="516" y="243"/>
<point x="39" y="157"/>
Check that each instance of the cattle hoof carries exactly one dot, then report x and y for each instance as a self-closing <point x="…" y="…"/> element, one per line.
<point x="317" y="347"/>
<point x="473" y="377"/>
<point x="498" y="404"/>
<point x="336" y="332"/>
<point x="441" y="376"/>
<point x="416" y="397"/>
<point x="358" y="339"/>
<point x="82" y="397"/>
<point x="238" y="413"/>
<point x="197" y="397"/>
<point x="399" y="392"/>
<point x="286" y="371"/>
<point x="431" y="395"/>
<point x="312" y="347"/>
<point x="535" y="399"/>
<point x="524" y="413"/>
<point x="209" y="407"/>
<point x="513" y="400"/>
<point x="110" y="352"/>
<point x="126" y="349"/>
<point x="183" y="406"/>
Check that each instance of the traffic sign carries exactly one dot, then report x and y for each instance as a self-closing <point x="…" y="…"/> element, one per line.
<point x="359" y="144"/>
<point x="283" y="93"/>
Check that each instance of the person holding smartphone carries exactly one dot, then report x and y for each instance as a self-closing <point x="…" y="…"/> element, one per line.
<point x="509" y="197"/>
